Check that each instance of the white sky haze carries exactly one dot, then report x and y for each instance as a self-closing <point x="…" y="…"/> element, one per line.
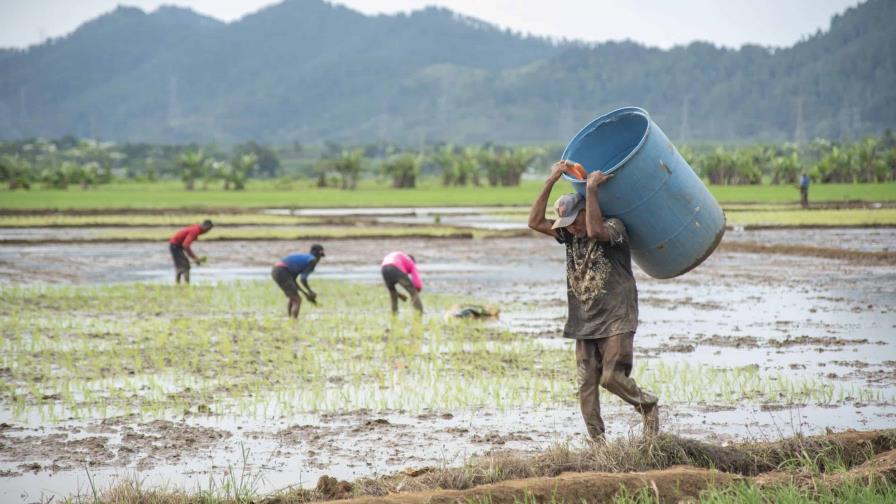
<point x="661" y="23"/>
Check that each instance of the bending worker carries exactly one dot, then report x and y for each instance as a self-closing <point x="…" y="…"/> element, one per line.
<point x="400" y="268"/>
<point x="287" y="269"/>
<point x="602" y="298"/>
<point x="179" y="245"/>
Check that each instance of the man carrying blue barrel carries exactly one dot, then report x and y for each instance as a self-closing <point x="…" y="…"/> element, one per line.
<point x="602" y="298"/>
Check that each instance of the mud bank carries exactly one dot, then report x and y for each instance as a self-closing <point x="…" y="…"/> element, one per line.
<point x="663" y="469"/>
<point x="685" y="469"/>
<point x="671" y="485"/>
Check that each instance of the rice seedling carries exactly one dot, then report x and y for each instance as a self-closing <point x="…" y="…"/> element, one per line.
<point x="228" y="349"/>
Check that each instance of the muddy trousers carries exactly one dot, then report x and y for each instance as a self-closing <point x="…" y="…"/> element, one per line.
<point x="607" y="363"/>
<point x="392" y="276"/>
<point x="804" y="197"/>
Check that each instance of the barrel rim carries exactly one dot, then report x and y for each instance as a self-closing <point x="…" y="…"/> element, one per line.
<point x="606" y="118"/>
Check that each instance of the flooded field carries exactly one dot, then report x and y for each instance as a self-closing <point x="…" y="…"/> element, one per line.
<point x="747" y="346"/>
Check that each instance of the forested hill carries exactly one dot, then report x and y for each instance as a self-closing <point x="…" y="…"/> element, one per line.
<point x="308" y="71"/>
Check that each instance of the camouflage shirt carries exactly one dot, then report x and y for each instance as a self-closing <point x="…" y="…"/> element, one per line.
<point x="601" y="292"/>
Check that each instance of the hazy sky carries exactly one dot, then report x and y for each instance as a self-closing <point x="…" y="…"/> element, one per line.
<point x="654" y="22"/>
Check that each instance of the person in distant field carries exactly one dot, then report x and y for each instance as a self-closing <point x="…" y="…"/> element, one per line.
<point x="179" y="245"/>
<point x="602" y="298"/>
<point x="804" y="190"/>
<point x="400" y="268"/>
<point x="285" y="272"/>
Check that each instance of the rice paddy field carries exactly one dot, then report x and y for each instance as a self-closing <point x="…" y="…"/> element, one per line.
<point x="117" y="383"/>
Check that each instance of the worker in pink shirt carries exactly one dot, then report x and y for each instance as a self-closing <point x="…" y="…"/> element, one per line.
<point x="400" y="268"/>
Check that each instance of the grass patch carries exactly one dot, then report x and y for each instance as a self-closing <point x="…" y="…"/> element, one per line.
<point x="302" y="233"/>
<point x="736" y="214"/>
<point x="875" y="492"/>
<point x="770" y="215"/>
<point x="261" y="194"/>
<point x="821" y="218"/>
<point x="322" y="232"/>
<point x="154" y="349"/>
<point x="163" y="220"/>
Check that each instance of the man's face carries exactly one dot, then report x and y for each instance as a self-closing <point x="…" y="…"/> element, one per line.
<point x="203" y="229"/>
<point x="578" y="226"/>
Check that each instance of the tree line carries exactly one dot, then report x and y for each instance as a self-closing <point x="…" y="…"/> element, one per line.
<point x="66" y="162"/>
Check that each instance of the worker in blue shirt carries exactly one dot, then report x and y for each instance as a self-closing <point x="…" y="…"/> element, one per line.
<point x="301" y="265"/>
<point x="804" y="190"/>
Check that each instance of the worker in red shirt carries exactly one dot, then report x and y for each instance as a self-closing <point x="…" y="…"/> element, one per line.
<point x="179" y="244"/>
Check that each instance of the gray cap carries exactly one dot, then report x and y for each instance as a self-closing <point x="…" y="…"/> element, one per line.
<point x="567" y="208"/>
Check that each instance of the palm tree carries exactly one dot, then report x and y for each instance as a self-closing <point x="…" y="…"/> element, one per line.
<point x="240" y="167"/>
<point x="786" y="168"/>
<point x="515" y="162"/>
<point x="404" y="170"/>
<point x="322" y="168"/>
<point x="869" y="165"/>
<point x="192" y="165"/>
<point x="348" y="165"/>
<point x="506" y="166"/>
<point x="14" y="171"/>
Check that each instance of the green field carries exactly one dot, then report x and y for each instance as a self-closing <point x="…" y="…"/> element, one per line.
<point x="263" y="194"/>
<point x="150" y="219"/>
<point x="819" y="218"/>
<point x="304" y="233"/>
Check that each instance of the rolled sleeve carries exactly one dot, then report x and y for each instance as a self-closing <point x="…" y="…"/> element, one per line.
<point x="616" y="229"/>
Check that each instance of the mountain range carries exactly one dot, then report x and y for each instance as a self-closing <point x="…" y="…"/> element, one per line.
<point x="310" y="71"/>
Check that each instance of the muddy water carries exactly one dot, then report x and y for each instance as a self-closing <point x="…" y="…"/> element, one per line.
<point x="798" y="316"/>
<point x="862" y="239"/>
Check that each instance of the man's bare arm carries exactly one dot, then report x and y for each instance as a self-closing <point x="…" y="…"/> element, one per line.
<point x="594" y="219"/>
<point x="190" y="253"/>
<point x="537" y="220"/>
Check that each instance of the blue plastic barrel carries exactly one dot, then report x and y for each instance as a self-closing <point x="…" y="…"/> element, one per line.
<point x="673" y="221"/>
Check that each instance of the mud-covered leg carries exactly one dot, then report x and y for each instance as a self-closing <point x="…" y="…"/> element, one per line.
<point x="393" y="298"/>
<point x="415" y="298"/>
<point x="617" y="354"/>
<point x="405" y="282"/>
<point x="588" y="372"/>
<point x="295" y="303"/>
